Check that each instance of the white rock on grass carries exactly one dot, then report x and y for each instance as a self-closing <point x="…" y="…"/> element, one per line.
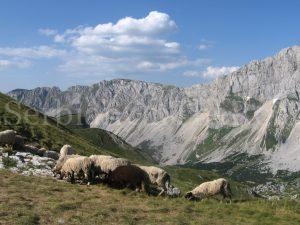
<point x="29" y="164"/>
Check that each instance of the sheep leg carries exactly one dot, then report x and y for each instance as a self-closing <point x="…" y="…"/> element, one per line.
<point x="167" y="184"/>
<point x="137" y="189"/>
<point x="92" y="176"/>
<point x="88" y="178"/>
<point x="61" y="176"/>
<point x="162" y="191"/>
<point x="72" y="177"/>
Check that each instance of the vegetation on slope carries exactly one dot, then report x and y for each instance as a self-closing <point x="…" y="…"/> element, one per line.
<point x="112" y="143"/>
<point x="47" y="201"/>
<point x="105" y="139"/>
<point x="236" y="104"/>
<point x="51" y="134"/>
<point x="73" y="121"/>
<point x="210" y="143"/>
<point x="233" y="103"/>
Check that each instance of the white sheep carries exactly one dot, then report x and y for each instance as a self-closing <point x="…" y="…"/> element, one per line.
<point x="158" y="177"/>
<point x="207" y="189"/>
<point x="8" y="137"/>
<point x="60" y="162"/>
<point x="80" y="166"/>
<point x="66" y="150"/>
<point x="106" y="164"/>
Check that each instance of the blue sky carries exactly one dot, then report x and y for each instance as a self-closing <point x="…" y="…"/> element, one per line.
<point x="64" y="43"/>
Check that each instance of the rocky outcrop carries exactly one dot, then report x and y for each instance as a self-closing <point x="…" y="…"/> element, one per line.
<point x="253" y="110"/>
<point x="26" y="163"/>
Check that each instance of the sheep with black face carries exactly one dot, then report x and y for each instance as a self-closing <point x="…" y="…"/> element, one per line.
<point x="80" y="166"/>
<point x="158" y="177"/>
<point x="211" y="188"/>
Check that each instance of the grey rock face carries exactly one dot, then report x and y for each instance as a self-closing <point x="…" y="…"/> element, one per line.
<point x="28" y="164"/>
<point x="173" y="122"/>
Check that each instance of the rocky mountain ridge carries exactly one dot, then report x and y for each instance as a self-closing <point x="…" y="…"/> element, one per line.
<point x="253" y="110"/>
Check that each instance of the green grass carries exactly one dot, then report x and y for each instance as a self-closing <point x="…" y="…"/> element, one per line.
<point x="187" y="178"/>
<point x="9" y="162"/>
<point x="47" y="201"/>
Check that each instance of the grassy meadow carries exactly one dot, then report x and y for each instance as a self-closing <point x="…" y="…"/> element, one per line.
<point x="33" y="200"/>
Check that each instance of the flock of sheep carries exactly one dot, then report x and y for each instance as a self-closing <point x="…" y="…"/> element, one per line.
<point x="120" y="172"/>
<point x="117" y="172"/>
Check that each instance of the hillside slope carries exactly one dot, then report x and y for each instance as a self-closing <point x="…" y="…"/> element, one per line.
<point x="51" y="134"/>
<point x="252" y="111"/>
<point x="98" y="204"/>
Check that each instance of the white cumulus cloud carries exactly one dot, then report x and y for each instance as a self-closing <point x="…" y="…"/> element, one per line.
<point x="32" y="52"/>
<point x="13" y="63"/>
<point x="211" y="72"/>
<point x="127" y="36"/>
<point x="129" y="46"/>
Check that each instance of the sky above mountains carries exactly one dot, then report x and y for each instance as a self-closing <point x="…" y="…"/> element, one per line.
<point x="64" y="43"/>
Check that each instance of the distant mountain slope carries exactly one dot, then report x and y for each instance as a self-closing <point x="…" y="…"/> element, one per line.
<point x="104" y="139"/>
<point x="253" y="111"/>
<point x="51" y="134"/>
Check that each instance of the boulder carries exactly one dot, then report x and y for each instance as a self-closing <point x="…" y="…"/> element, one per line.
<point x="51" y="154"/>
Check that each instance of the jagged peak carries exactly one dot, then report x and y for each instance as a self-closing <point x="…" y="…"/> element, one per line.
<point x="54" y="88"/>
<point x="126" y="81"/>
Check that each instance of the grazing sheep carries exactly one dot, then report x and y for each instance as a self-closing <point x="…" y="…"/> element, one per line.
<point x="106" y="164"/>
<point x="60" y="162"/>
<point x="158" y="177"/>
<point x="19" y="142"/>
<point x="66" y="150"/>
<point x="77" y="166"/>
<point x="8" y="137"/>
<point x="130" y="176"/>
<point x="99" y="162"/>
<point x="206" y="189"/>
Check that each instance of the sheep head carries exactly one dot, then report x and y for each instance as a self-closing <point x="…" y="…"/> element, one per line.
<point x="189" y="196"/>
